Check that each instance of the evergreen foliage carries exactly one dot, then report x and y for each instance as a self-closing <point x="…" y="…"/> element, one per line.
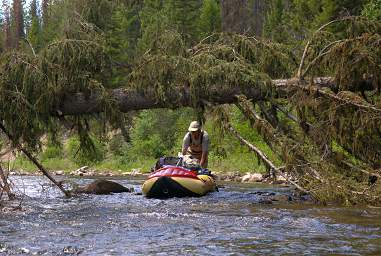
<point x="2" y="46"/>
<point x="122" y="39"/>
<point x="153" y="22"/>
<point x="372" y="10"/>
<point x="34" y="32"/>
<point x="183" y="15"/>
<point x="275" y="20"/>
<point x="210" y="18"/>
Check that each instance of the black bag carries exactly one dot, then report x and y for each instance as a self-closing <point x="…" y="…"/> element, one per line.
<point x="167" y="160"/>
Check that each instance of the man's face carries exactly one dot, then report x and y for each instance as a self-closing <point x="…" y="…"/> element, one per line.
<point x="196" y="133"/>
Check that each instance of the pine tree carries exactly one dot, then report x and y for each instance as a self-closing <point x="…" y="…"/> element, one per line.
<point x="54" y="17"/>
<point x="1" y="32"/>
<point x="274" y="21"/>
<point x="17" y="23"/>
<point x="210" y="18"/>
<point x="97" y="12"/>
<point x="153" y="21"/>
<point x="122" y="38"/>
<point x="294" y="20"/>
<point x="45" y="11"/>
<point x="235" y="16"/>
<point x="183" y="16"/>
<point x="257" y="9"/>
<point x="34" y="27"/>
<point x="6" y="26"/>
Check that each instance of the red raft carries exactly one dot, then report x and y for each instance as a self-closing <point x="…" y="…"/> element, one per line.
<point x="175" y="181"/>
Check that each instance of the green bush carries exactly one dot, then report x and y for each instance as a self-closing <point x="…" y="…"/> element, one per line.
<point x="82" y="156"/>
<point x="152" y="146"/>
<point x="117" y="145"/>
<point x="157" y="132"/>
<point x="52" y="151"/>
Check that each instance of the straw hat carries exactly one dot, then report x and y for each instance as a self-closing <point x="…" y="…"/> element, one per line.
<point x="194" y="126"/>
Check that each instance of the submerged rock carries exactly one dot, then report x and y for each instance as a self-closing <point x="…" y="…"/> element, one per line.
<point x="282" y="198"/>
<point x="102" y="187"/>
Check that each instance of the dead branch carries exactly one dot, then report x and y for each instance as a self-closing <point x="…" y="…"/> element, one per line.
<point x="35" y="161"/>
<point x="291" y="116"/>
<point x="5" y="184"/>
<point x="370" y="173"/>
<point x="259" y="153"/>
<point x="270" y="165"/>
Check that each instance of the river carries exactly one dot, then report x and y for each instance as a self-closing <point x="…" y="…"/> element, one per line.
<point x="228" y="222"/>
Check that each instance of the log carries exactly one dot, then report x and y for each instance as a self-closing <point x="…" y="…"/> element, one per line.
<point x="129" y="99"/>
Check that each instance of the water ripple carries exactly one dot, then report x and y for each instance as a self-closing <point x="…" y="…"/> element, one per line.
<point x="230" y="222"/>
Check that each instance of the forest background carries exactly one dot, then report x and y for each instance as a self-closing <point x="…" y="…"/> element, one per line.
<point x="129" y="30"/>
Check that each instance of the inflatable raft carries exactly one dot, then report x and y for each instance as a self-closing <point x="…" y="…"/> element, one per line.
<point x="175" y="181"/>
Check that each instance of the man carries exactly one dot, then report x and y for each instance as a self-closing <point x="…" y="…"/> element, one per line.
<point x="196" y="143"/>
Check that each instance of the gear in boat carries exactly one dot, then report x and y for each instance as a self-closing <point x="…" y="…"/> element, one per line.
<point x="178" y="181"/>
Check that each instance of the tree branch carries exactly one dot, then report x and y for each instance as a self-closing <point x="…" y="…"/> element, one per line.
<point x="271" y="166"/>
<point x="35" y="161"/>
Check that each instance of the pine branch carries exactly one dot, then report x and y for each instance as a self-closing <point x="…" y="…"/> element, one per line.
<point x="339" y="99"/>
<point x="306" y="48"/>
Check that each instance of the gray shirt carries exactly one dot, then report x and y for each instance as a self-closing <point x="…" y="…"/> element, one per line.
<point x="205" y="141"/>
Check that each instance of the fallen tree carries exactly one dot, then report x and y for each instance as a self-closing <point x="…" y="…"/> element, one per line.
<point x="132" y="99"/>
<point x="332" y="147"/>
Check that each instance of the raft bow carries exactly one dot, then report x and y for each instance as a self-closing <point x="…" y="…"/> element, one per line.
<point x="175" y="181"/>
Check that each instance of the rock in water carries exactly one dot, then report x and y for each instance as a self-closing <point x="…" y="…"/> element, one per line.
<point x="102" y="187"/>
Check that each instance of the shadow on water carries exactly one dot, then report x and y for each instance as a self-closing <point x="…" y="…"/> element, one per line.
<point x="229" y="222"/>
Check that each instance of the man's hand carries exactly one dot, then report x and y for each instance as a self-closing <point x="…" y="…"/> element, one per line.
<point x="204" y="159"/>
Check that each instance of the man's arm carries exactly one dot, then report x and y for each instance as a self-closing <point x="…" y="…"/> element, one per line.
<point x="186" y="142"/>
<point x="205" y="150"/>
<point x="204" y="159"/>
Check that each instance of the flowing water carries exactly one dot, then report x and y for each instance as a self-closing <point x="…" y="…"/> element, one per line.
<point x="228" y="222"/>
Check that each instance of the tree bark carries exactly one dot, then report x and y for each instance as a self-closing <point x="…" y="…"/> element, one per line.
<point x="235" y="16"/>
<point x="128" y="99"/>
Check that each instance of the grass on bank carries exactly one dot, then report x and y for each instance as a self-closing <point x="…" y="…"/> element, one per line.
<point x="237" y="162"/>
<point x="238" y="159"/>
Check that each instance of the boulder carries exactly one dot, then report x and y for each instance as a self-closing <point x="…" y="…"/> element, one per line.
<point x="102" y="187"/>
<point x="252" y="177"/>
<point x="59" y="173"/>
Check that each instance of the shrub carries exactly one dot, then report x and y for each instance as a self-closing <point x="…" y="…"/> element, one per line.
<point x="82" y="156"/>
<point x="52" y="151"/>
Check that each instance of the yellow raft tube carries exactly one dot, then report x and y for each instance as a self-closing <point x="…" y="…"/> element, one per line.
<point x="174" y="181"/>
